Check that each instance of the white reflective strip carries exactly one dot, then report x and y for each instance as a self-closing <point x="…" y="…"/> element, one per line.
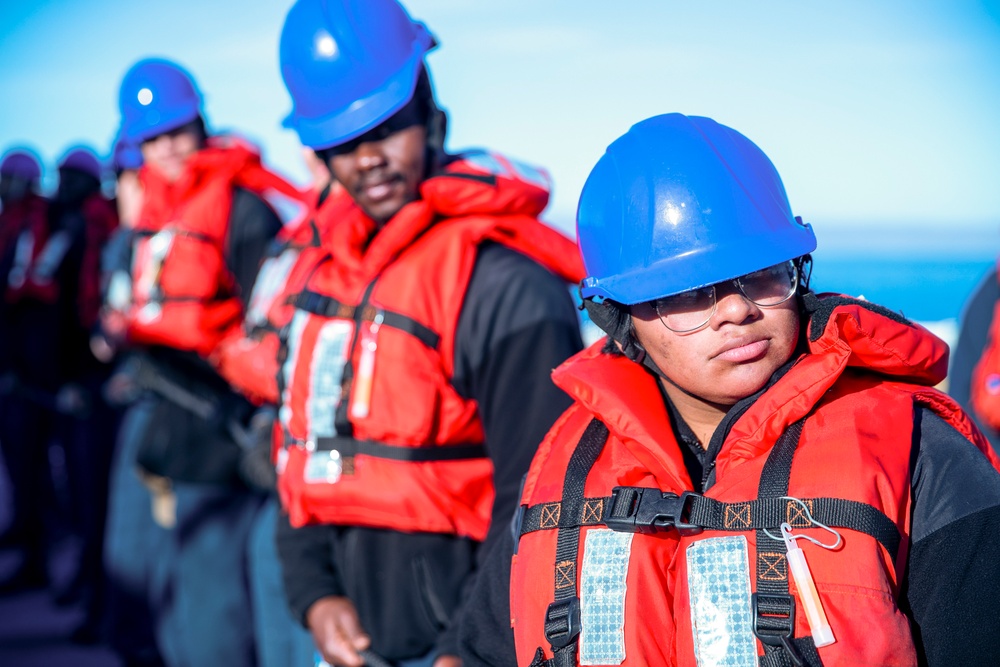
<point x="721" y="614"/>
<point x="602" y="597"/>
<point x="325" y="377"/>
<point x="270" y="282"/>
<point x="531" y="174"/>
<point x="51" y="256"/>
<point x="293" y="344"/>
<point x="485" y="161"/>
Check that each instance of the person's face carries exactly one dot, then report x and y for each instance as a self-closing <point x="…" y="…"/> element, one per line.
<point x="729" y="358"/>
<point x="169" y="152"/>
<point x="382" y="169"/>
<point x="13" y="189"/>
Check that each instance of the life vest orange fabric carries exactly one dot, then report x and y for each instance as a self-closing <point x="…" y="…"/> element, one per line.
<point x="370" y="351"/>
<point x="184" y="295"/>
<point x="856" y="390"/>
<point x="248" y="357"/>
<point x="37" y="252"/>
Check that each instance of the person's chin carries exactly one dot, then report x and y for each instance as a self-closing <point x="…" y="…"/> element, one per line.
<point x="383" y="211"/>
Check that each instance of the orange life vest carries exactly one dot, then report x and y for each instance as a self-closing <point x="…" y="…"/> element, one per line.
<point x="618" y="562"/>
<point x="379" y="435"/>
<point x="984" y="394"/>
<point x="183" y="293"/>
<point x="37" y="253"/>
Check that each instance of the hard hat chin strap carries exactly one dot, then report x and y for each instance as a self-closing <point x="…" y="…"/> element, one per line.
<point x="610" y="320"/>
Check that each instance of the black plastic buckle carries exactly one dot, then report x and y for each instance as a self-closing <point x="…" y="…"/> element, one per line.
<point x="645" y="510"/>
<point x="778" y="610"/>
<point x="562" y="622"/>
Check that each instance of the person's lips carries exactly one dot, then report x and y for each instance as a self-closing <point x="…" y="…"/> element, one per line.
<point x="739" y="350"/>
<point x="378" y="190"/>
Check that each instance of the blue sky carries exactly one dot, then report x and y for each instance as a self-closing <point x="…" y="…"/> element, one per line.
<point x="874" y="112"/>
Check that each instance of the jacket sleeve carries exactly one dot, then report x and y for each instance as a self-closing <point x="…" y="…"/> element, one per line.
<point x="307" y="565"/>
<point x="951" y="588"/>
<point x="252" y="225"/>
<point x="485" y="638"/>
<point x="518" y="323"/>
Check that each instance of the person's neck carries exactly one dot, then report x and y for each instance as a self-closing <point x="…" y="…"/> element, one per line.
<point x="701" y="416"/>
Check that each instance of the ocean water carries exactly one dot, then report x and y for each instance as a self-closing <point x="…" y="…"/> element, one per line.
<point x="926" y="271"/>
<point x="928" y="289"/>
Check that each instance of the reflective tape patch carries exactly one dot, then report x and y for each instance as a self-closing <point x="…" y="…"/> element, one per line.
<point x="602" y="597"/>
<point x="485" y="161"/>
<point x="293" y="342"/>
<point x="270" y="282"/>
<point x="721" y="614"/>
<point x="325" y="376"/>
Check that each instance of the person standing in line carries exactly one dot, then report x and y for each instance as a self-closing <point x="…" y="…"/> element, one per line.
<point x="28" y="374"/>
<point x="247" y="359"/>
<point x="131" y="533"/>
<point x="199" y="239"/>
<point x="974" y="372"/>
<point x="751" y="473"/>
<point x="86" y="425"/>
<point x="414" y="371"/>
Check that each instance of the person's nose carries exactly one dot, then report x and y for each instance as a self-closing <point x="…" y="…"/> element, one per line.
<point x="732" y="306"/>
<point x="369" y="155"/>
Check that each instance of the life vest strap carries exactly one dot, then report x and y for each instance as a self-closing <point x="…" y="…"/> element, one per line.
<point x="352" y="447"/>
<point x="562" y="617"/>
<point x="327" y="306"/>
<point x="647" y="510"/>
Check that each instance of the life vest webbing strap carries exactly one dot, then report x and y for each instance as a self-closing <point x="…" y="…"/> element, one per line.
<point x="352" y="447"/>
<point x="327" y="306"/>
<point x="772" y="603"/>
<point x="562" y="617"/>
<point x="258" y="331"/>
<point x="637" y="509"/>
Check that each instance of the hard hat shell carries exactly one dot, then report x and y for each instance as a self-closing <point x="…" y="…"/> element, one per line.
<point x="348" y="65"/>
<point x="156" y="96"/>
<point x="22" y="163"/>
<point x="678" y="203"/>
<point x="81" y="158"/>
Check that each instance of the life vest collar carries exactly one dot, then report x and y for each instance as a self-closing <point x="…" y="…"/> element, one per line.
<point x="223" y="159"/>
<point x="465" y="188"/>
<point x="875" y="338"/>
<point x="843" y="333"/>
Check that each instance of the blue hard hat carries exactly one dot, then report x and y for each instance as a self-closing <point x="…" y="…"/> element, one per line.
<point x="680" y="202"/>
<point x="21" y="163"/>
<point x="82" y="158"/>
<point x="348" y="65"/>
<point x="156" y="96"/>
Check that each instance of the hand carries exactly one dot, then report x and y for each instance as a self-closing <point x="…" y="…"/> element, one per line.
<point x="71" y="399"/>
<point x="336" y="631"/>
<point x="448" y="661"/>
